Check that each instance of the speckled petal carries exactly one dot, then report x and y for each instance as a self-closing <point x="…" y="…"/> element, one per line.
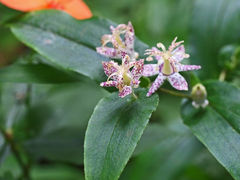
<point x="109" y="83"/>
<point x="109" y="52"/>
<point x="126" y="90"/>
<point x="178" y="82"/>
<point x="150" y="70"/>
<point x="182" y="67"/>
<point x="110" y="67"/>
<point x="138" y="69"/>
<point x="129" y="37"/>
<point x="156" y="84"/>
<point x="125" y="59"/>
<point x="179" y="54"/>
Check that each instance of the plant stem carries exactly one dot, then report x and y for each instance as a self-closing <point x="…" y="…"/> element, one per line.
<point x="222" y="75"/>
<point x="8" y="137"/>
<point x="174" y="93"/>
<point x="134" y="95"/>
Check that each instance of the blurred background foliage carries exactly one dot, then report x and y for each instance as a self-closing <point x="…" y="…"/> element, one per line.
<point x="48" y="121"/>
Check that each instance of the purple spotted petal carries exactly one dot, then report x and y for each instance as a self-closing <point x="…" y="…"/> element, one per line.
<point x="179" y="54"/>
<point x="182" y="67"/>
<point x="125" y="59"/>
<point x="156" y="84"/>
<point x="135" y="83"/>
<point x="110" y="67"/>
<point x="109" y="52"/>
<point x="150" y="70"/>
<point x="129" y="37"/>
<point x="137" y="69"/>
<point x="125" y="91"/>
<point x="178" y="82"/>
<point x="109" y="83"/>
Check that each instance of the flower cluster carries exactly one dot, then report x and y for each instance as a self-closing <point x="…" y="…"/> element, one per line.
<point x="126" y="76"/>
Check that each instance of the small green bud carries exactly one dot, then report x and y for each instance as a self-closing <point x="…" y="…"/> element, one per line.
<point x="199" y="96"/>
<point x="9" y="133"/>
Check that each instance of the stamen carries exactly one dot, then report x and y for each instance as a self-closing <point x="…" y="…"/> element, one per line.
<point x="113" y="74"/>
<point x="149" y="58"/>
<point x="160" y="45"/>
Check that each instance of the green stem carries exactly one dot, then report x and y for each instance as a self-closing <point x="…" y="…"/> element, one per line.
<point x="222" y="75"/>
<point x="8" y="137"/>
<point x="134" y="95"/>
<point x="174" y="93"/>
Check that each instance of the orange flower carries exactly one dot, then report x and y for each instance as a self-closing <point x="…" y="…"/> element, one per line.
<point x="76" y="8"/>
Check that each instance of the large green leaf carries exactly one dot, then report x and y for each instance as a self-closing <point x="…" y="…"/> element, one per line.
<point x="30" y="69"/>
<point x="65" y="42"/>
<point x="218" y="125"/>
<point x="53" y="127"/>
<point x="57" y="121"/>
<point x="34" y="73"/>
<point x="12" y="104"/>
<point x="58" y="172"/>
<point x="7" y="13"/>
<point x="169" y="155"/>
<point x="113" y="132"/>
<point x="215" y="23"/>
<point x="10" y="168"/>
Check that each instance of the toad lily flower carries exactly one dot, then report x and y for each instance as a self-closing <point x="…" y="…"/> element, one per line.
<point x="119" y="45"/>
<point x="125" y="77"/>
<point x="168" y="66"/>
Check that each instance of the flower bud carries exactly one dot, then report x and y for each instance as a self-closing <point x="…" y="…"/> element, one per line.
<point x="199" y="96"/>
<point x="9" y="133"/>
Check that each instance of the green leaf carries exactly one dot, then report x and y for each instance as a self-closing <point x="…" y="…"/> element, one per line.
<point x="217" y="126"/>
<point x="4" y="150"/>
<point x="65" y="42"/>
<point x="7" y="14"/>
<point x="10" y="168"/>
<point x="53" y="127"/>
<point x="12" y="104"/>
<point x="169" y="155"/>
<point x="113" y="132"/>
<point x="60" y="172"/>
<point x="34" y="73"/>
<point x="215" y="23"/>
<point x="57" y="121"/>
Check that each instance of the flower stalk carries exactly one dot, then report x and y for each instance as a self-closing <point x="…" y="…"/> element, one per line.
<point x="174" y="93"/>
<point x="8" y="136"/>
